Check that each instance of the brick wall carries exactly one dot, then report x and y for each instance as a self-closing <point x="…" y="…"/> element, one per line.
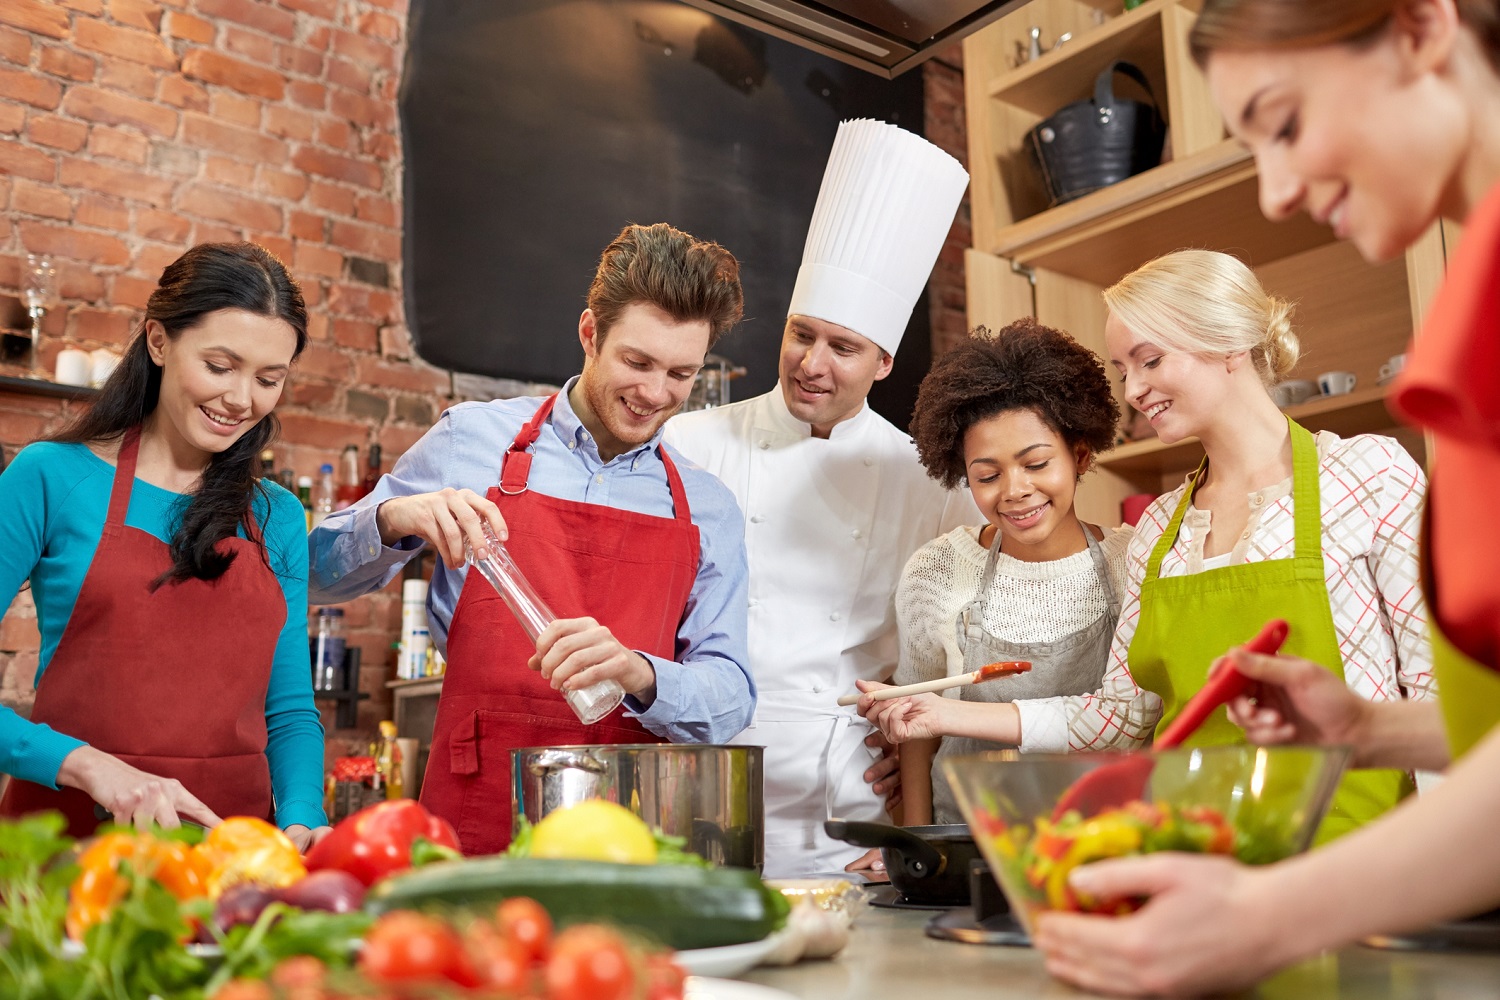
<point x="131" y="129"/>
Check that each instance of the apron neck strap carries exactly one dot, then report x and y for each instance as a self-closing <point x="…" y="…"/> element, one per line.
<point x="674" y="483"/>
<point x="119" y="494"/>
<point x="515" y="468"/>
<point x="1101" y="566"/>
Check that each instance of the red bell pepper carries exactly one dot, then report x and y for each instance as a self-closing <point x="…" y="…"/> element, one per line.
<point x="377" y="841"/>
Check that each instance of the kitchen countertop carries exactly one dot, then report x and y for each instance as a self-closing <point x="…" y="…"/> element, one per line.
<point x="890" y="958"/>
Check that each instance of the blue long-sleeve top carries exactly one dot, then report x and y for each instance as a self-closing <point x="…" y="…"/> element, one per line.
<point x="705" y="695"/>
<point x="55" y="498"/>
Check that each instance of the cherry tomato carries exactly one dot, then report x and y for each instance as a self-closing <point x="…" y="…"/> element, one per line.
<point x="500" y="963"/>
<point x="590" y="963"/>
<point x="527" y="923"/>
<point x="665" y="979"/>
<point x="403" y="947"/>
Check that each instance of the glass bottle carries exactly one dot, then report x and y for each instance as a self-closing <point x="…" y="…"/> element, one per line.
<point x="590" y="704"/>
<point x="372" y="470"/>
<point x="304" y="493"/>
<point x="268" y="465"/>
<point x="328" y="650"/>
<point x="387" y="754"/>
<point x="323" y="494"/>
<point x="348" y="488"/>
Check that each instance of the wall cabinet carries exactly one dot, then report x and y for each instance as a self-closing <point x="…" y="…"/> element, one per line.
<point x="1052" y="262"/>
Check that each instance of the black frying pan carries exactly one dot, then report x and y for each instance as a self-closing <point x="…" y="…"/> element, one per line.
<point x="926" y="864"/>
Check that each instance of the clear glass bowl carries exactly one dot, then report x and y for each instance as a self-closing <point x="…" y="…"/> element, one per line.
<point x="1260" y="804"/>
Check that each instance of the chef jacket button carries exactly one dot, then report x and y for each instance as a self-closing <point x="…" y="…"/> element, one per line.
<point x="754" y="602"/>
<point x="819" y="689"/>
<point x="757" y="518"/>
<point x="869" y="461"/>
<point x="857" y="533"/>
<point x="762" y="445"/>
<point x="835" y="617"/>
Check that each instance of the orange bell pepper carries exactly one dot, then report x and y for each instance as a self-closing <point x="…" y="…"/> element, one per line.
<point x="101" y="883"/>
<point x="246" y="849"/>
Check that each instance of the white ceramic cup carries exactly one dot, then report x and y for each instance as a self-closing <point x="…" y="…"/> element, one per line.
<point x="73" y="367"/>
<point x="1336" y="383"/>
<point x="1392" y="367"/>
<point x="1292" y="392"/>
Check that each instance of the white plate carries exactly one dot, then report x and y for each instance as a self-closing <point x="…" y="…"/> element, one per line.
<point x="699" y="988"/>
<point x="730" y="960"/>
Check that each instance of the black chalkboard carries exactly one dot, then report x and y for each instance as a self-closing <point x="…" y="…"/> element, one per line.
<point x="535" y="129"/>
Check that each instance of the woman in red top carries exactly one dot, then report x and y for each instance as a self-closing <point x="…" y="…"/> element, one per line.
<point x="1377" y="117"/>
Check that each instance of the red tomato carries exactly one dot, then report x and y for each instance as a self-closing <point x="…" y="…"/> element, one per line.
<point x="665" y="979"/>
<point x="499" y="962"/>
<point x="590" y="963"/>
<point x="527" y="923"/>
<point x="403" y="947"/>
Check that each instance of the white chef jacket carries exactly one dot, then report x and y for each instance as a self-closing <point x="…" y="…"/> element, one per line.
<point x="829" y="524"/>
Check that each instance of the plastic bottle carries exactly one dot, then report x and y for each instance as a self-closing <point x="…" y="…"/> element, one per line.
<point x="268" y="465"/>
<point x="328" y="651"/>
<point x="387" y="754"/>
<point x="323" y="495"/>
<point x="413" y="621"/>
<point x="348" y="488"/>
<point x="304" y="493"/>
<point x="372" y="470"/>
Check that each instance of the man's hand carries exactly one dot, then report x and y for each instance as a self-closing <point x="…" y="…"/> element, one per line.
<point x="1296" y="701"/>
<point x="884" y="776"/>
<point x="574" y="653"/>
<point x="444" y="520"/>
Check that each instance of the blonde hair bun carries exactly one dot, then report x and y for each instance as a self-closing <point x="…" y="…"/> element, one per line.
<point x="1282" y="347"/>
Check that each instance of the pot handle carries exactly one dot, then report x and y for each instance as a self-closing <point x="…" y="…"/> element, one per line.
<point x="918" y="858"/>
<point x="563" y="760"/>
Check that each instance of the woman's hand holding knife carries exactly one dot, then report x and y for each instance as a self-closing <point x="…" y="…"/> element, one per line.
<point x="131" y="795"/>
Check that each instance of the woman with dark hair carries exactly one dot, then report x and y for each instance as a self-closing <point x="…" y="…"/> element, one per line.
<point x="1018" y="417"/>
<point x="170" y="583"/>
<point x="1379" y="118"/>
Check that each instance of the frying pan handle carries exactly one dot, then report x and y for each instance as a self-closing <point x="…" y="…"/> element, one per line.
<point x="919" y="859"/>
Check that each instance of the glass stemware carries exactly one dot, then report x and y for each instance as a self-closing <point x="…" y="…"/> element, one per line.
<point x="39" y="292"/>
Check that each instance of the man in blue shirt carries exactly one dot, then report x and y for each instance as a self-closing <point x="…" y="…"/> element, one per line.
<point x="641" y="557"/>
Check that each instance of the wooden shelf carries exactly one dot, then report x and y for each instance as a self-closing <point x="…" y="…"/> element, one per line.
<point x="406" y="684"/>
<point x="42" y="387"/>
<point x="1104" y="235"/>
<point x="1044" y="85"/>
<point x="1353" y="413"/>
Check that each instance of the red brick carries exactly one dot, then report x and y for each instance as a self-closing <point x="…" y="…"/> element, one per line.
<point x="319" y="432"/>
<point x="367" y="241"/>
<point x="229" y="173"/>
<point x="310" y="258"/>
<point x="306" y="226"/>
<point x="336" y="135"/>
<point x="380" y="25"/>
<point x="382" y="146"/>
<point x="209" y="232"/>
<point x="137" y="13"/>
<point x="357" y="334"/>
<point x="115" y="109"/>
<point x="15" y="47"/>
<point x="181" y="92"/>
<point x="311" y="395"/>
<point x="367" y="51"/>
<point x="12" y="117"/>
<point x="289" y="122"/>
<point x="65" y="63"/>
<point x="260" y="16"/>
<point x="38" y="16"/>
<point x="389" y="87"/>
<point x="159" y="224"/>
<point x="74" y="244"/>
<point x="335" y="200"/>
<point x="99" y="324"/>
<point x="396" y="440"/>
<point x="324" y="362"/>
<point x="119" y="144"/>
<point x="373" y="208"/>
<point x="153" y="259"/>
<point x="134" y="78"/>
<point x="19" y="633"/>
<point x="312" y="294"/>
<point x="27" y="87"/>
<point x="94" y="8"/>
<point x="180" y="24"/>
<point x="279" y="246"/>
<point x="396" y="375"/>
<point x="395" y="341"/>
<point x="307" y="94"/>
<point x="23" y="161"/>
<point x="362" y="110"/>
<point x="211" y="67"/>
<point x="342" y="168"/>
<point x="128" y="184"/>
<point x="130" y="291"/>
<point x="317" y="37"/>
<point x="282" y="184"/>
<point x="351" y="75"/>
<point x="326" y="9"/>
<point x="102" y="213"/>
<point x="254" y="46"/>
<point x="79" y="283"/>
<point x="303" y="61"/>
<point x="32" y="198"/>
<point x="232" y="140"/>
<point x="361" y="300"/>
<point x="127" y="43"/>
<point x="59" y="133"/>
<point x="234" y="209"/>
<point x="233" y="108"/>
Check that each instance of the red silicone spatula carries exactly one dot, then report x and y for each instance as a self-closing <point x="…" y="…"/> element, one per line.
<point x="1122" y="781"/>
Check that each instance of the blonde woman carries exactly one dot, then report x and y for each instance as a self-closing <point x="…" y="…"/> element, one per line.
<point x="1275" y="523"/>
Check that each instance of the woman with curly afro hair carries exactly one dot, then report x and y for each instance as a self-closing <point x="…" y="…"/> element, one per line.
<point x="1018" y="417"/>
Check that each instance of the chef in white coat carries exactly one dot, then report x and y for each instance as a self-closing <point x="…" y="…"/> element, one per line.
<point x="835" y="500"/>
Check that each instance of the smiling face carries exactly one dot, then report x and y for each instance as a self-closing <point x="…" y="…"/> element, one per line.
<point x="219" y="377"/>
<point x="636" y="374"/>
<point x="1368" y="140"/>
<point x="1023" y="474"/>
<point x="826" y="371"/>
<point x="1180" y="393"/>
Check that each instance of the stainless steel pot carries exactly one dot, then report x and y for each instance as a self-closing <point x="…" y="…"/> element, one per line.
<point x="713" y="796"/>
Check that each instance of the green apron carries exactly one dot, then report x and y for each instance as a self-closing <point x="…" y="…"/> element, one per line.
<point x="1187" y="622"/>
<point x="1468" y="691"/>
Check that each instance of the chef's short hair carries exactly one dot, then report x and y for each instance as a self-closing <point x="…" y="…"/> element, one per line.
<point x="689" y="279"/>
<point x="1025" y="366"/>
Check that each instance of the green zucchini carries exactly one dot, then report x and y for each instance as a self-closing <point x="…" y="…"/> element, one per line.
<point x="679" y="906"/>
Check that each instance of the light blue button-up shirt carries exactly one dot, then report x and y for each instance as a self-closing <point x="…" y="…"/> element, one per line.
<point x="706" y="695"/>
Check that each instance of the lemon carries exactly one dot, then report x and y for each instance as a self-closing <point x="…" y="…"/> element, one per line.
<point x="594" y="830"/>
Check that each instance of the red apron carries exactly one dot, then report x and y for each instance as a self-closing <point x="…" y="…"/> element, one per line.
<point x="632" y="572"/>
<point x="162" y="679"/>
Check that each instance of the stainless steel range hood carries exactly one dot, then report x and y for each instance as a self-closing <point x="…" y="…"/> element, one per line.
<point x="885" y="37"/>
